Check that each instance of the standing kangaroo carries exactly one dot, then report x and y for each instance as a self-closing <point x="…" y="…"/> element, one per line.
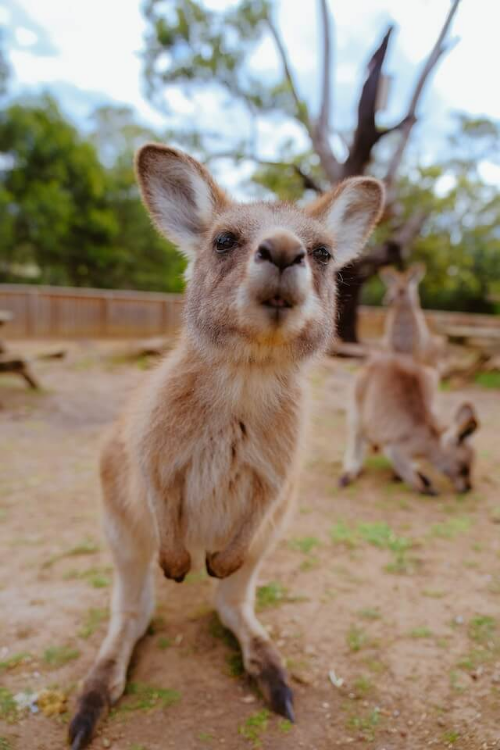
<point x="204" y="463"/>
<point x="406" y="329"/>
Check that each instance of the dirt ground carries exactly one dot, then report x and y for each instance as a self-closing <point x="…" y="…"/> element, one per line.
<point x="396" y="594"/>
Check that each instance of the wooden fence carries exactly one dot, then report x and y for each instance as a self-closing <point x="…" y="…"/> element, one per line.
<point x="60" y="312"/>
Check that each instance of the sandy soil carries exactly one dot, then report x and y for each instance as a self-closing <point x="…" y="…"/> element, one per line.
<point x="398" y="594"/>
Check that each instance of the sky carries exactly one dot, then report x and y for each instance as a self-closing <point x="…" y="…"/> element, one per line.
<point x="89" y="52"/>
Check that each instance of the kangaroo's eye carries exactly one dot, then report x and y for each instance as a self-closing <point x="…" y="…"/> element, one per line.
<point x="322" y="254"/>
<point x="225" y="241"/>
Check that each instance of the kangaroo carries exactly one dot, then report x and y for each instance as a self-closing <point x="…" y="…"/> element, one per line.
<point x="406" y="329"/>
<point x="393" y="408"/>
<point x="203" y="465"/>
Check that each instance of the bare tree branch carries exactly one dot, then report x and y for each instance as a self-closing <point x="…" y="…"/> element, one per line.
<point x="308" y="181"/>
<point x="367" y="133"/>
<point x="409" y="121"/>
<point x="323" y="124"/>
<point x="319" y="140"/>
<point x="302" y="113"/>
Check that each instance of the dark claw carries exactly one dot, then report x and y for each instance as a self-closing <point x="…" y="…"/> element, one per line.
<point x="279" y="695"/>
<point x="90" y="707"/>
<point x="282" y="702"/>
<point x="80" y="733"/>
<point x="345" y="480"/>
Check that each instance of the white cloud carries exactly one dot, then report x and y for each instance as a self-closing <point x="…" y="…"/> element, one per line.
<point x="95" y="47"/>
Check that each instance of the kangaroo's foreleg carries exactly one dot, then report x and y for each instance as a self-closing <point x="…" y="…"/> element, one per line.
<point x="404" y="468"/>
<point x="174" y="559"/>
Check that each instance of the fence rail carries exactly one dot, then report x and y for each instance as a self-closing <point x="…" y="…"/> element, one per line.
<point x="61" y="312"/>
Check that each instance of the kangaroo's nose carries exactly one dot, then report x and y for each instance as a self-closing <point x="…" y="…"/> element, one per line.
<point x="282" y="252"/>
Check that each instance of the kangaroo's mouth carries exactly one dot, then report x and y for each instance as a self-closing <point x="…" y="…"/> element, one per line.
<point x="277" y="302"/>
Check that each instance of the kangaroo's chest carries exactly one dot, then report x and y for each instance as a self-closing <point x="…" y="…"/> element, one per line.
<point x="234" y="463"/>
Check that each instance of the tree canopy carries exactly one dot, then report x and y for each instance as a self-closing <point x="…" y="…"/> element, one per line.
<point x="65" y="218"/>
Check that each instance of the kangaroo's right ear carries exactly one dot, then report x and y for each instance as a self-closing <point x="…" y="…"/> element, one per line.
<point x="389" y="275"/>
<point x="180" y="194"/>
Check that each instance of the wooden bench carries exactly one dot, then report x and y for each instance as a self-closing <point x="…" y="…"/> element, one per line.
<point x="11" y="363"/>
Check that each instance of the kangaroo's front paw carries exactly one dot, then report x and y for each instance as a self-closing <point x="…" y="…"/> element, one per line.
<point x="221" y="564"/>
<point x="426" y="487"/>
<point x="175" y="565"/>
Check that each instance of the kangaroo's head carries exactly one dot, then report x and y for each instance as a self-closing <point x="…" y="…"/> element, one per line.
<point x="261" y="276"/>
<point x="402" y="288"/>
<point x="457" y="453"/>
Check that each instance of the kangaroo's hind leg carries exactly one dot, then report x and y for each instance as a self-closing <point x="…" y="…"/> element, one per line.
<point x="356" y="447"/>
<point x="134" y="548"/>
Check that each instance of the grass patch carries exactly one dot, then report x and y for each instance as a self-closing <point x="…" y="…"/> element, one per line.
<point x="163" y="642"/>
<point x="369" y="613"/>
<point x="254" y="727"/>
<point x="235" y="664"/>
<point x="304" y="544"/>
<point x="450" y="737"/>
<point x="87" y="547"/>
<point x="421" y="632"/>
<point x="285" y="726"/>
<point x="272" y="595"/>
<point x="433" y="593"/>
<point x="488" y="379"/>
<point x="341" y="533"/>
<point x="362" y="685"/>
<point x="366" y="724"/>
<point x="451" y="528"/>
<point x="58" y="656"/>
<point x="482" y="629"/>
<point x="92" y="621"/>
<point x="8" y="707"/>
<point x="98" y="578"/>
<point x="142" y="697"/>
<point x="356" y="638"/>
<point x="23" y="657"/>
<point x="377" y="462"/>
<point x="5" y="744"/>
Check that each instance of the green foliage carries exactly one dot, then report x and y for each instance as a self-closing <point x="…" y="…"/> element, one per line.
<point x="67" y="219"/>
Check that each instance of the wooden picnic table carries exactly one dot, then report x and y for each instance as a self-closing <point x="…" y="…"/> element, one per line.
<point x="11" y="363"/>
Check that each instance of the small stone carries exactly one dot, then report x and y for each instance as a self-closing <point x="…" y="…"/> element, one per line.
<point x="396" y="713"/>
<point x="441" y="722"/>
<point x="458" y="620"/>
<point x="106" y="742"/>
<point x="325" y="705"/>
<point x="248" y="699"/>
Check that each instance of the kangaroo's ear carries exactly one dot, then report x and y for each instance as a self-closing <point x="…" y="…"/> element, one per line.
<point x="350" y="211"/>
<point x="389" y="275"/>
<point x="180" y="194"/>
<point x="416" y="273"/>
<point x="465" y="421"/>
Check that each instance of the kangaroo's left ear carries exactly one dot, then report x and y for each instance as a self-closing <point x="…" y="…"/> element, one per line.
<point x="350" y="211"/>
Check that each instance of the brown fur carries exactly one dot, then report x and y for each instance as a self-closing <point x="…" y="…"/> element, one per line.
<point x="406" y="330"/>
<point x="203" y="465"/>
<point x="393" y="408"/>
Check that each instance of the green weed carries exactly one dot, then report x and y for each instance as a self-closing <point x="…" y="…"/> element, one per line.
<point x="92" y="621"/>
<point x="15" y="660"/>
<point x="488" y="379"/>
<point x="8" y="706"/>
<point x="254" y="727"/>
<point x="356" y="638"/>
<point x="142" y="697"/>
<point x="451" y="528"/>
<point x="304" y="544"/>
<point x="58" y="656"/>
<point x="421" y="632"/>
